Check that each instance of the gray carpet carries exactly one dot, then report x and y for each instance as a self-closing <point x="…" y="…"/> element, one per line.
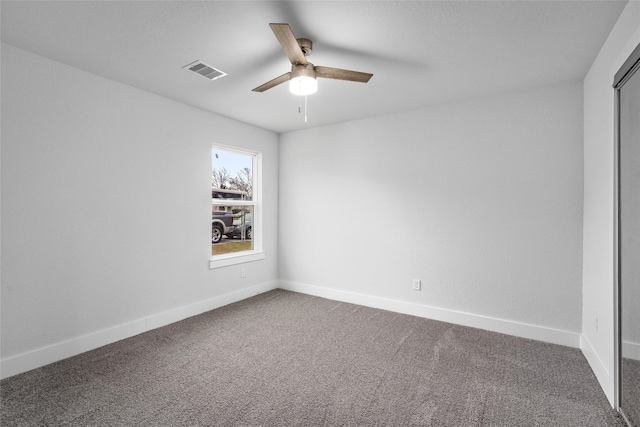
<point x="287" y="359"/>
<point x="631" y="390"/>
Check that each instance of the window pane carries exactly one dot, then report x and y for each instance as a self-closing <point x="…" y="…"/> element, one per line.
<point x="239" y="237"/>
<point x="231" y="187"/>
<point x="231" y="175"/>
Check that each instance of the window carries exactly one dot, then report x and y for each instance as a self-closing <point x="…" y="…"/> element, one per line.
<point x="235" y="208"/>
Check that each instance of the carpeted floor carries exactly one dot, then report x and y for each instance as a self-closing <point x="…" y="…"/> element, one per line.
<point x="631" y="390"/>
<point x="288" y="359"/>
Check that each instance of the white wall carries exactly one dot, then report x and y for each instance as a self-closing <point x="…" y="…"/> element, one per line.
<point x="106" y="211"/>
<point x="598" y="196"/>
<point x="481" y="200"/>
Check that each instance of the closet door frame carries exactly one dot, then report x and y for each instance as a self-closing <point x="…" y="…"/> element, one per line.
<point x="630" y="66"/>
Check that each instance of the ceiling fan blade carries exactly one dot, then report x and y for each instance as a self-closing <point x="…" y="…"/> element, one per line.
<point x="337" y="73"/>
<point x="275" y="82"/>
<point x="289" y="43"/>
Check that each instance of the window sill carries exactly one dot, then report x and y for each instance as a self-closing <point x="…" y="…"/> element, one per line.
<point x="233" y="259"/>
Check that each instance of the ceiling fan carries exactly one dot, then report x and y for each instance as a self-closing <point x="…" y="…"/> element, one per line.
<point x="303" y="74"/>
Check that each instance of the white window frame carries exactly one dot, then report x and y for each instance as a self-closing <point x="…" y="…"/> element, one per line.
<point x="256" y="253"/>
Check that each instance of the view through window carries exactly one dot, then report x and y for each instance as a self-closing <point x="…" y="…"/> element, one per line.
<point x="232" y="201"/>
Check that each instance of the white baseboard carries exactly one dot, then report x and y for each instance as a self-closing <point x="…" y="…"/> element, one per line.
<point x="30" y="360"/>
<point x="631" y="350"/>
<point x="523" y="330"/>
<point x="43" y="356"/>
<point x="604" y="377"/>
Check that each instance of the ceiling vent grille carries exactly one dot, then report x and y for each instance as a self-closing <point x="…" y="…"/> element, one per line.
<point x="206" y="71"/>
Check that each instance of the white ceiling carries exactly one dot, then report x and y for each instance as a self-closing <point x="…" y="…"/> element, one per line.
<point x="421" y="53"/>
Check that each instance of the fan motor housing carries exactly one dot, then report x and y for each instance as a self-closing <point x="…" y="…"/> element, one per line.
<point x="300" y="70"/>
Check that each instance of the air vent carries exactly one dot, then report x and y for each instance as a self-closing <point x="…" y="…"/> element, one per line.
<point x="206" y="71"/>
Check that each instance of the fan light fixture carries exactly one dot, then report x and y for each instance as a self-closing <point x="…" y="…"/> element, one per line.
<point x="303" y="80"/>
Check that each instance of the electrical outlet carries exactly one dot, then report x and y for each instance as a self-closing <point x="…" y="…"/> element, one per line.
<point x="417" y="284"/>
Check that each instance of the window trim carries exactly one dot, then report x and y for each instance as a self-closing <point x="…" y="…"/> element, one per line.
<point x="226" y="260"/>
<point x="256" y="254"/>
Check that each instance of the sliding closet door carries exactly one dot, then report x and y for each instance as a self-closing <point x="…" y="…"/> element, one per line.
<point x="629" y="240"/>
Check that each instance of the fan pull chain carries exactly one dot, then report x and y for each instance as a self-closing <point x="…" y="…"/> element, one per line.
<point x="305" y="107"/>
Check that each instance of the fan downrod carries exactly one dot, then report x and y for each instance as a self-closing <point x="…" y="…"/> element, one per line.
<point x="306" y="46"/>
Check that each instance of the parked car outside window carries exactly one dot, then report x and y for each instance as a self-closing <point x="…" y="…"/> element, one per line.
<point x="242" y="226"/>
